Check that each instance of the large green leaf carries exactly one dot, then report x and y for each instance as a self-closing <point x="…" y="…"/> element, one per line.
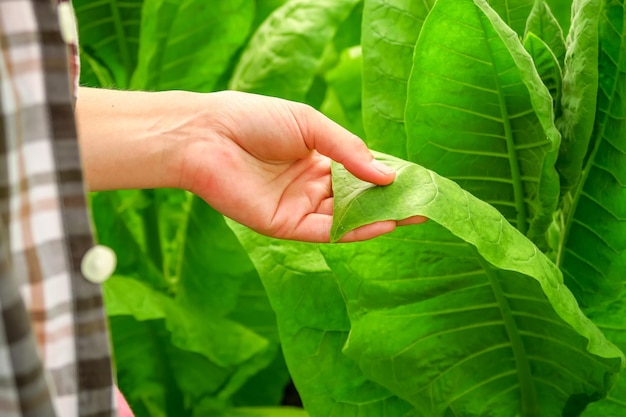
<point x="343" y="93"/>
<point x="580" y="90"/>
<point x="390" y="29"/>
<point x="314" y="326"/>
<point x="210" y="357"/>
<point x="542" y="23"/>
<point x="94" y="73"/>
<point x="265" y="412"/>
<point x="188" y="44"/>
<point x="595" y="223"/>
<point x="181" y="265"/>
<point x="109" y="33"/>
<point x="465" y="317"/>
<point x="150" y="390"/>
<point x="478" y="113"/>
<point x="212" y="265"/>
<point x="513" y="12"/>
<point x="122" y="222"/>
<point x="562" y="11"/>
<point x="612" y="321"/>
<point x="283" y="56"/>
<point x="547" y="67"/>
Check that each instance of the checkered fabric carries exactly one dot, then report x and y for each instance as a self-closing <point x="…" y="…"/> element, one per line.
<point x="54" y="348"/>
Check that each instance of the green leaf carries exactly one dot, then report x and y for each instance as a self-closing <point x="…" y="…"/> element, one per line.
<point x="265" y="412"/>
<point x="188" y="44"/>
<point x="613" y="323"/>
<point x="210" y="356"/>
<point x="580" y="90"/>
<point x="212" y="265"/>
<point x="544" y="25"/>
<point x="94" y="73"/>
<point x="594" y="241"/>
<point x="478" y="113"/>
<point x="196" y="275"/>
<point x="349" y="32"/>
<point x="170" y="210"/>
<point x="390" y="29"/>
<point x="283" y="56"/>
<point x="267" y="387"/>
<point x="562" y="12"/>
<point x="464" y="310"/>
<point x="222" y="341"/>
<point x="314" y="327"/>
<point x="547" y="67"/>
<point x="264" y="8"/>
<point x="514" y="13"/>
<point x="343" y="94"/>
<point x="143" y="371"/>
<point x="109" y="34"/>
<point x="122" y="222"/>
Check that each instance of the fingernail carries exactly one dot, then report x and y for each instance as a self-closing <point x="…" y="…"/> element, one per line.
<point x="382" y="168"/>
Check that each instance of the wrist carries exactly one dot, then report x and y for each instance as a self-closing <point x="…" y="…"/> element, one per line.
<point x="134" y="139"/>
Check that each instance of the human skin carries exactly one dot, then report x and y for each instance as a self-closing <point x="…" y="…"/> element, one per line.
<point x="262" y="161"/>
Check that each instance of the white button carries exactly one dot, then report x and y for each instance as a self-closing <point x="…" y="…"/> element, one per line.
<point x="67" y="23"/>
<point x="98" y="264"/>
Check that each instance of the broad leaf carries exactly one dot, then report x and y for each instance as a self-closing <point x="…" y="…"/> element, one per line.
<point x="121" y="220"/>
<point x="265" y="412"/>
<point x="390" y="29"/>
<point x="263" y="9"/>
<point x="314" y="327"/>
<point x="343" y="93"/>
<point x="543" y="24"/>
<point x="612" y="321"/>
<point x="189" y="272"/>
<point x="94" y="73"/>
<point x="349" y="32"/>
<point x="211" y="357"/>
<point x="594" y="243"/>
<point x="547" y="67"/>
<point x="464" y="310"/>
<point x="562" y="11"/>
<point x="109" y="33"/>
<point x="580" y="90"/>
<point x="513" y="12"/>
<point x="283" y="56"/>
<point x="478" y="113"/>
<point x="213" y="265"/>
<point x="150" y="390"/>
<point x="188" y="44"/>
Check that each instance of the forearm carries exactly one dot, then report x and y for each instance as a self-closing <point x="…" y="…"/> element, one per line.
<point x="131" y="139"/>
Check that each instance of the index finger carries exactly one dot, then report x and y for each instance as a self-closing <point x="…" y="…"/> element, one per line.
<point x="332" y="140"/>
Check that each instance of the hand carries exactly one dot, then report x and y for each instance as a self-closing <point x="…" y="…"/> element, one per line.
<point x="266" y="164"/>
<point x="261" y="161"/>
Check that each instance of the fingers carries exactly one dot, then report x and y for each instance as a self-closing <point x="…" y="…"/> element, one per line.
<point x="335" y="142"/>
<point x="369" y="231"/>
<point x="412" y="220"/>
<point x="316" y="228"/>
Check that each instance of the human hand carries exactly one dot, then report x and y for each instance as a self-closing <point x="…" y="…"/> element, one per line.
<point x="265" y="163"/>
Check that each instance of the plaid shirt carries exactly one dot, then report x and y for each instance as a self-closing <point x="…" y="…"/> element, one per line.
<point x="54" y="347"/>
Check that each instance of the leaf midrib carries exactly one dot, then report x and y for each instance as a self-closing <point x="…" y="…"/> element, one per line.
<point x="518" y="188"/>
<point x="528" y="395"/>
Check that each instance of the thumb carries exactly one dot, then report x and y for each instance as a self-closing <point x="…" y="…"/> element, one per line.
<point x="332" y="140"/>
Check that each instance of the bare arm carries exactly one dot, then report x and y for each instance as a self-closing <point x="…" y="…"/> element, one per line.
<point x="264" y="162"/>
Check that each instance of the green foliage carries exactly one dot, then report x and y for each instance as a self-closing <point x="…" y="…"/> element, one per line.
<point x="476" y="299"/>
<point x="297" y="32"/>
<point x="505" y="123"/>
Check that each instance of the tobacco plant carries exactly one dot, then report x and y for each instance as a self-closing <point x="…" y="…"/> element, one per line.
<point x="507" y="128"/>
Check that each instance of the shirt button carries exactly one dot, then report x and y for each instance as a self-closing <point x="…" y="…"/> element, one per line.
<point x="98" y="264"/>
